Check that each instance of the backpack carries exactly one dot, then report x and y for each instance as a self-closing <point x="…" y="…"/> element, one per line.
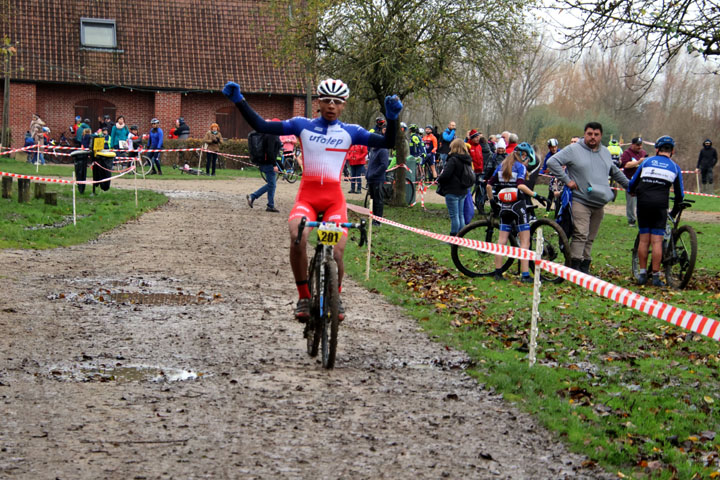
<point x="256" y="148"/>
<point x="466" y="176"/>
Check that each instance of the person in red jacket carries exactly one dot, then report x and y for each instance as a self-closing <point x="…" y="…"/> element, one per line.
<point x="357" y="158"/>
<point x="475" y="151"/>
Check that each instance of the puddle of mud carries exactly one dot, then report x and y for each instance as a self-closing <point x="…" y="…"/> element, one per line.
<point x="123" y="374"/>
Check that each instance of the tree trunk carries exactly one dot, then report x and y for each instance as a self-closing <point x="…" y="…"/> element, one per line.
<point x="23" y="190"/>
<point x="401" y="149"/>
<point x="40" y="190"/>
<point x="7" y="187"/>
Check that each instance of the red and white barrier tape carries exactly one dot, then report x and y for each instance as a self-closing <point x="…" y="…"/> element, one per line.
<point x="36" y="179"/>
<point x="677" y="316"/>
<point x="62" y="181"/>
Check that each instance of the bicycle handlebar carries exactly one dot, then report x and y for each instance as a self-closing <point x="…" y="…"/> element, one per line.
<point x="361" y="226"/>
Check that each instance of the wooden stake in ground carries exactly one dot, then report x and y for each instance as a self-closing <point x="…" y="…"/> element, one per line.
<point x="40" y="190"/>
<point x="51" y="198"/>
<point x="37" y="159"/>
<point x="7" y="187"/>
<point x="369" y="241"/>
<point x="536" y="298"/>
<point x="23" y="190"/>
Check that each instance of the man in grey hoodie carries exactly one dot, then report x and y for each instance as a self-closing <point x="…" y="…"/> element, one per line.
<point x="584" y="167"/>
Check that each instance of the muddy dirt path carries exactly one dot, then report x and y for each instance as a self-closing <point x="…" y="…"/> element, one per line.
<point x="86" y="381"/>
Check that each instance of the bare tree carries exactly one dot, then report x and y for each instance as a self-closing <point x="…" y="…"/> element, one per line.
<point x="669" y="27"/>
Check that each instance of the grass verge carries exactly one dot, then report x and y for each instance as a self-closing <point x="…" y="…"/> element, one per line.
<point x="638" y="396"/>
<point x="36" y="225"/>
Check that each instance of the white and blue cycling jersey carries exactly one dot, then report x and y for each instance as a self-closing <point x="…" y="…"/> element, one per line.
<point x="653" y="179"/>
<point x="323" y="144"/>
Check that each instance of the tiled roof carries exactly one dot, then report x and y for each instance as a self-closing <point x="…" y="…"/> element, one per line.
<point x="178" y="44"/>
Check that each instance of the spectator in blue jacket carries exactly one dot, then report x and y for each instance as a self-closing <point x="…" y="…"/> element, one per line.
<point x="155" y="142"/>
<point x="378" y="161"/>
<point x="447" y="136"/>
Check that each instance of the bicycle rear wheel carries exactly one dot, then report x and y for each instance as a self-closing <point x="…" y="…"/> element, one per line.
<point x="330" y="320"/>
<point x="679" y="267"/>
<point x="556" y="247"/>
<point x="312" y="327"/>
<point x="479" y="264"/>
<point x="409" y="192"/>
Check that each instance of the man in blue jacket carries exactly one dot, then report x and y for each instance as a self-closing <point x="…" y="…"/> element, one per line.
<point x="651" y="184"/>
<point x="155" y="142"/>
<point x="378" y="161"/>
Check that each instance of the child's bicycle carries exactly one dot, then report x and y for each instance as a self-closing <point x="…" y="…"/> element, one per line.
<point x="322" y="326"/>
<point x="679" y="250"/>
<point x="556" y="247"/>
<point x="288" y="166"/>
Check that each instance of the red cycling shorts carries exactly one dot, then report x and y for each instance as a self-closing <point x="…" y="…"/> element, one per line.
<point x="315" y="197"/>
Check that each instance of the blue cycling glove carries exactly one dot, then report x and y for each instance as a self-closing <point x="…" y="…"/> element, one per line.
<point x="393" y="106"/>
<point x="232" y="91"/>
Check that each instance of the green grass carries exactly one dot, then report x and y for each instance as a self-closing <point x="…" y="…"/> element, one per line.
<point x="36" y="225"/>
<point x="633" y="393"/>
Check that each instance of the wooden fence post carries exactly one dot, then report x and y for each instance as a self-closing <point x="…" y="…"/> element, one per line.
<point x="23" y="190"/>
<point x="7" y="187"/>
<point x="51" y="198"/>
<point x="40" y="190"/>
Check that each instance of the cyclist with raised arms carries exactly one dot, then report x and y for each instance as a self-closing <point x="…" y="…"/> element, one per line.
<point x="324" y="142"/>
<point x="651" y="184"/>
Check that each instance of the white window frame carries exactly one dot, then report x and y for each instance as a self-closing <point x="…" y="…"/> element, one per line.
<point x="98" y="22"/>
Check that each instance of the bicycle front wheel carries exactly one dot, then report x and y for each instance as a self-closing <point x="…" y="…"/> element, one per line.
<point x="479" y="264"/>
<point x="409" y="192"/>
<point x="556" y="247"/>
<point x="330" y="320"/>
<point x="681" y="262"/>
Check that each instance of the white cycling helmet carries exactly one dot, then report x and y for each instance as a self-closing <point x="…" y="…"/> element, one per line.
<point x="333" y="88"/>
<point x="553" y="142"/>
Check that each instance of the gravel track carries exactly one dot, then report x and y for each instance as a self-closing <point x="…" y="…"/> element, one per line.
<point x="397" y="405"/>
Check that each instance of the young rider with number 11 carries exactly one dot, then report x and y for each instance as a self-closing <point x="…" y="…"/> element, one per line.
<point x="324" y="142"/>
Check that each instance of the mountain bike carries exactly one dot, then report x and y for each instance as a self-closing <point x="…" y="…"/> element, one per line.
<point x="389" y="187"/>
<point x="679" y="250"/>
<point x="288" y="167"/>
<point x="322" y="326"/>
<point x="556" y="247"/>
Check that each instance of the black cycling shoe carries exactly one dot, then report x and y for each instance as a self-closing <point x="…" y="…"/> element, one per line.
<point x="526" y="279"/>
<point x="302" y="310"/>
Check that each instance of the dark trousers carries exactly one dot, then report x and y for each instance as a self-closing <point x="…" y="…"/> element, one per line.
<point x="210" y="160"/>
<point x="356" y="172"/>
<point x="376" y="193"/>
<point x="155" y="159"/>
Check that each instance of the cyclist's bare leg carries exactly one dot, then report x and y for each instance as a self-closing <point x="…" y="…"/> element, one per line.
<point x="502" y="240"/>
<point x="643" y="247"/>
<point x="524" y="238"/>
<point x="657" y="252"/>
<point x="298" y="253"/>
<point x="338" y="255"/>
<point x="432" y="169"/>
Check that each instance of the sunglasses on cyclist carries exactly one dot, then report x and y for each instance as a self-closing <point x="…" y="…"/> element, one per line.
<point x="331" y="101"/>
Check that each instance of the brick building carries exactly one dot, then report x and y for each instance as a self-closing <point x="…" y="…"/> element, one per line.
<point x="144" y="59"/>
